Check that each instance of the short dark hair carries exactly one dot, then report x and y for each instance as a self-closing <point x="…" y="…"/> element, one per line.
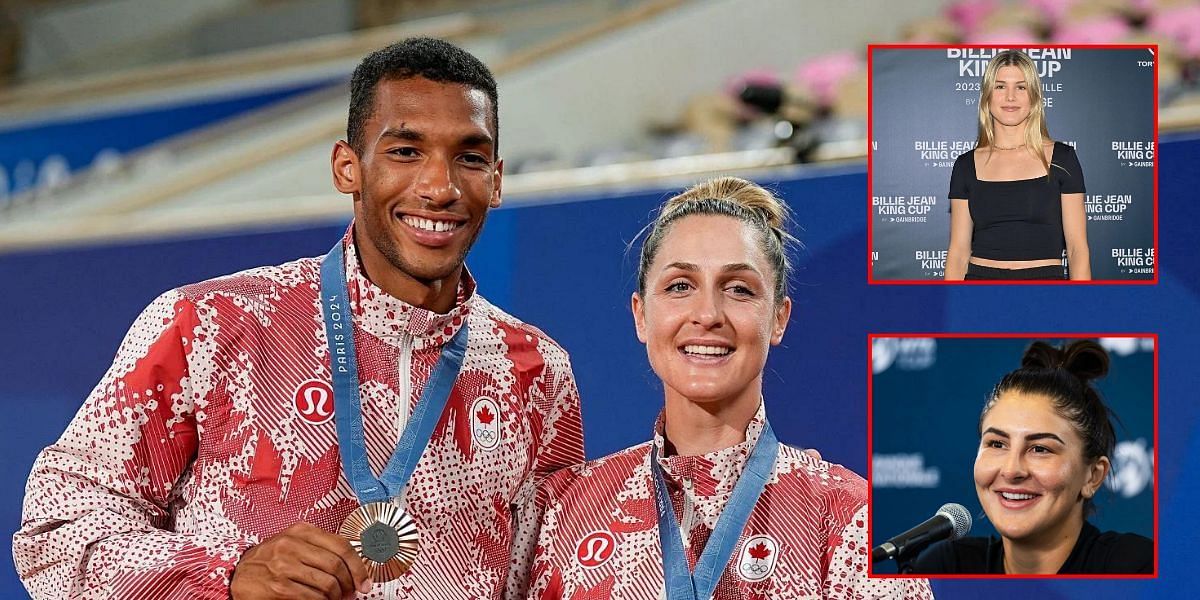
<point x="433" y="59"/>
<point x="1064" y="374"/>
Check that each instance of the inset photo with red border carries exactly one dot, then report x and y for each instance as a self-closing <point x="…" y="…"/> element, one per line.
<point x="1029" y="164"/>
<point x="1013" y="455"/>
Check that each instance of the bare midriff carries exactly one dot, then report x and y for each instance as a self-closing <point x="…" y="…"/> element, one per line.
<point x="1016" y="264"/>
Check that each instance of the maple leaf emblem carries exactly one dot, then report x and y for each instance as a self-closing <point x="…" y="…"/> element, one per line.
<point x="759" y="551"/>
<point x="485" y="416"/>
<point x="261" y="493"/>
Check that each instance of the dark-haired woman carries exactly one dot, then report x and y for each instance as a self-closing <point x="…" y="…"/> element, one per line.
<point x="713" y="506"/>
<point x="1045" y="442"/>
<point x="1016" y="200"/>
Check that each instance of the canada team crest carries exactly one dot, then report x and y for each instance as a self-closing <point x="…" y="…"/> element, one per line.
<point x="757" y="559"/>
<point x="313" y="401"/>
<point x="485" y="423"/>
<point x="595" y="549"/>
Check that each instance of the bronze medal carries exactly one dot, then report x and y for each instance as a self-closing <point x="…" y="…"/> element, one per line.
<point x="384" y="536"/>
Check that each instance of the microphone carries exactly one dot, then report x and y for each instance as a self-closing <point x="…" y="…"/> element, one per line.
<point x="951" y="522"/>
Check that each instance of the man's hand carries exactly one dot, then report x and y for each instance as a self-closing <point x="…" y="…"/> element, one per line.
<point x="303" y="561"/>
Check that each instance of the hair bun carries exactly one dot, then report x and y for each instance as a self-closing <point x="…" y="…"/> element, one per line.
<point x="1041" y="355"/>
<point x="1086" y="360"/>
<point x="747" y="194"/>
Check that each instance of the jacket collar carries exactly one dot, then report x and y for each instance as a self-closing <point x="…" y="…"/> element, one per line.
<point x="708" y="479"/>
<point x="395" y="321"/>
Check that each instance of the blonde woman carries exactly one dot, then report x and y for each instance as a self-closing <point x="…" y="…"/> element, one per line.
<point x="713" y="506"/>
<point x="1016" y="200"/>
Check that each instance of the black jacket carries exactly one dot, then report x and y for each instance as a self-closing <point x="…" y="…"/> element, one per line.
<point x="1094" y="553"/>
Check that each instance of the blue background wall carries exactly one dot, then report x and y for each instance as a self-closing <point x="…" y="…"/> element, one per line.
<point x="562" y="265"/>
<point x="30" y="150"/>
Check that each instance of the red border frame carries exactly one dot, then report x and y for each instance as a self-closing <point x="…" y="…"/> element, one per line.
<point x="871" y="337"/>
<point x="871" y="156"/>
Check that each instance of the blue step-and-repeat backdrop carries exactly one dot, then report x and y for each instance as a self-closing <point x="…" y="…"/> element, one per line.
<point x="925" y="114"/>
<point x="563" y="265"/>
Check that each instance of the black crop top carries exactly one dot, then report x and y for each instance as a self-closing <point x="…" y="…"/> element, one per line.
<point x="1018" y="220"/>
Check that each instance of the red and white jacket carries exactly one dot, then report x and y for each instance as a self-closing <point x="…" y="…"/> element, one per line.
<point x="213" y="430"/>
<point x="806" y="536"/>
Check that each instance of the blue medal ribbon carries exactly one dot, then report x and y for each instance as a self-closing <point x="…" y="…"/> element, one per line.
<point x="339" y="332"/>
<point x="682" y="584"/>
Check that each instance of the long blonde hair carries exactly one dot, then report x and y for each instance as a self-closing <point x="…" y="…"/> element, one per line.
<point x="1036" y="133"/>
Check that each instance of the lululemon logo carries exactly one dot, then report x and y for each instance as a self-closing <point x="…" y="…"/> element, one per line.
<point x="595" y="549"/>
<point x="485" y="423"/>
<point x="757" y="559"/>
<point x="314" y="402"/>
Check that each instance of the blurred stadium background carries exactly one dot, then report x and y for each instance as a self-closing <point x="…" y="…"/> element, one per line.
<point x="149" y="143"/>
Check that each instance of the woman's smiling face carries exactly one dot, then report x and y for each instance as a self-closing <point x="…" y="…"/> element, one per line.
<point x="1030" y="472"/>
<point x="1010" y="102"/>
<point x="709" y="314"/>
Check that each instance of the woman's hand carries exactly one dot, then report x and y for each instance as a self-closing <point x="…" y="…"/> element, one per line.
<point x="1074" y="219"/>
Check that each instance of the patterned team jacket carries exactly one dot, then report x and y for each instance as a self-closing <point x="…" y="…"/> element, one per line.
<point x="214" y="430"/>
<point x="806" y="536"/>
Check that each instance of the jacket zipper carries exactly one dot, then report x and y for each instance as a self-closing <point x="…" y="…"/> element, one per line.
<point x="405" y="367"/>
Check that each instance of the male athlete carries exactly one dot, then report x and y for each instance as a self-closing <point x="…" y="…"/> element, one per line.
<point x="359" y="423"/>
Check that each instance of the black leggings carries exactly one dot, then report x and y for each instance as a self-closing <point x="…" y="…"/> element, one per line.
<point x="980" y="273"/>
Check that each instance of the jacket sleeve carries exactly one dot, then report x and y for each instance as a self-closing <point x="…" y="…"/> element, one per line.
<point x="97" y="518"/>
<point x="846" y="576"/>
<point x="560" y="444"/>
<point x="544" y="575"/>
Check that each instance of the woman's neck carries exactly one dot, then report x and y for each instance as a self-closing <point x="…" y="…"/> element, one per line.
<point x="1005" y="136"/>
<point x="1045" y="555"/>
<point x="694" y="428"/>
